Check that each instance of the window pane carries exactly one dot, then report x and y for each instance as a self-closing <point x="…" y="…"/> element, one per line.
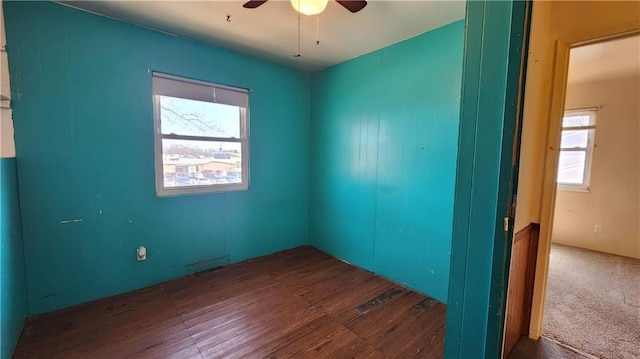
<point x="573" y="139"/>
<point x="200" y="163"/>
<point x="576" y="121"/>
<point x="571" y="167"/>
<point x="197" y="118"/>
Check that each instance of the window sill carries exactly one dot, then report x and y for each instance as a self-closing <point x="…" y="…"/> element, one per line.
<point x="197" y="190"/>
<point x="569" y="188"/>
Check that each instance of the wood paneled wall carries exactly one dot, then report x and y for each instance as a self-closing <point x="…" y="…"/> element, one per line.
<point x="521" y="275"/>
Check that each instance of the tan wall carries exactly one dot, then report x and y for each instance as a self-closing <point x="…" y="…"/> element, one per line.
<point x="569" y="22"/>
<point x="536" y="104"/>
<point x="613" y="200"/>
<point x="7" y="144"/>
<point x="556" y="20"/>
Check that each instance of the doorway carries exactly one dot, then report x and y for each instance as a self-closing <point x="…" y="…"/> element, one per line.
<point x="592" y="293"/>
<point x="557" y="27"/>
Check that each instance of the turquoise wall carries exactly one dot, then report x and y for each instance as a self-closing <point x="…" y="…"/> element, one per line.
<point x="490" y="119"/>
<point x="84" y="137"/>
<point x="384" y="132"/>
<point x="13" y="290"/>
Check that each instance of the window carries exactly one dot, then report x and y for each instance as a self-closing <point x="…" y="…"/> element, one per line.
<point x="201" y="141"/>
<point x="576" y="149"/>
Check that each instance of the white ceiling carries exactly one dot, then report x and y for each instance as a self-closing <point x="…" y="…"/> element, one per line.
<point x="270" y="31"/>
<point x="605" y="60"/>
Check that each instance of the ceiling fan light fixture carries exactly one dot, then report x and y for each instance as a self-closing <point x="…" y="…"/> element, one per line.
<point x="309" y="7"/>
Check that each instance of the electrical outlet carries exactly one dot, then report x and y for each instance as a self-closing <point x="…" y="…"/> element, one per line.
<point x="141" y="253"/>
<point x="597" y="228"/>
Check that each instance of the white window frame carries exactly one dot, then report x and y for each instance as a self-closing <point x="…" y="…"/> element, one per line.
<point x="180" y="87"/>
<point x="586" y="178"/>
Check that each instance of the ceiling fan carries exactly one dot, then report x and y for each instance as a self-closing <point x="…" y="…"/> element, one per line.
<point x="312" y="7"/>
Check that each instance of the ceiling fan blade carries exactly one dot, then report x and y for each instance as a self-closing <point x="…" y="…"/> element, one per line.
<point x="253" y="4"/>
<point x="352" y="5"/>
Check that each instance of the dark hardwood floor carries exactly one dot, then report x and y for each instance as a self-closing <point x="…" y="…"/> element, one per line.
<point x="299" y="303"/>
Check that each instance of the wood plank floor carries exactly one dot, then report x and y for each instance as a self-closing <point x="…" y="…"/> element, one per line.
<point x="300" y="303"/>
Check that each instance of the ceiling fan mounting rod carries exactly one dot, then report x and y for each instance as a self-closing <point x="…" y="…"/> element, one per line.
<point x="318" y="29"/>
<point x="298" y="55"/>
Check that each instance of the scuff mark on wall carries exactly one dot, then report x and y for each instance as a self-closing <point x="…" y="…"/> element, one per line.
<point x="71" y="221"/>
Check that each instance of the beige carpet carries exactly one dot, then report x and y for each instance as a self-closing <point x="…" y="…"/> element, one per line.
<point x="593" y="302"/>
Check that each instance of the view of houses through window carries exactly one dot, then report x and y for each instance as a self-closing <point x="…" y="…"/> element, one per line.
<point x="195" y="164"/>
<point x="187" y="162"/>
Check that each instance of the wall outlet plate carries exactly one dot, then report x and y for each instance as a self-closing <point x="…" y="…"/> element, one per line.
<point x="141" y="253"/>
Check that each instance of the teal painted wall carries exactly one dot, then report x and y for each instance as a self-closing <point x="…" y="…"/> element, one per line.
<point x="13" y="289"/>
<point x="486" y="178"/>
<point x="84" y="138"/>
<point x="384" y="133"/>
